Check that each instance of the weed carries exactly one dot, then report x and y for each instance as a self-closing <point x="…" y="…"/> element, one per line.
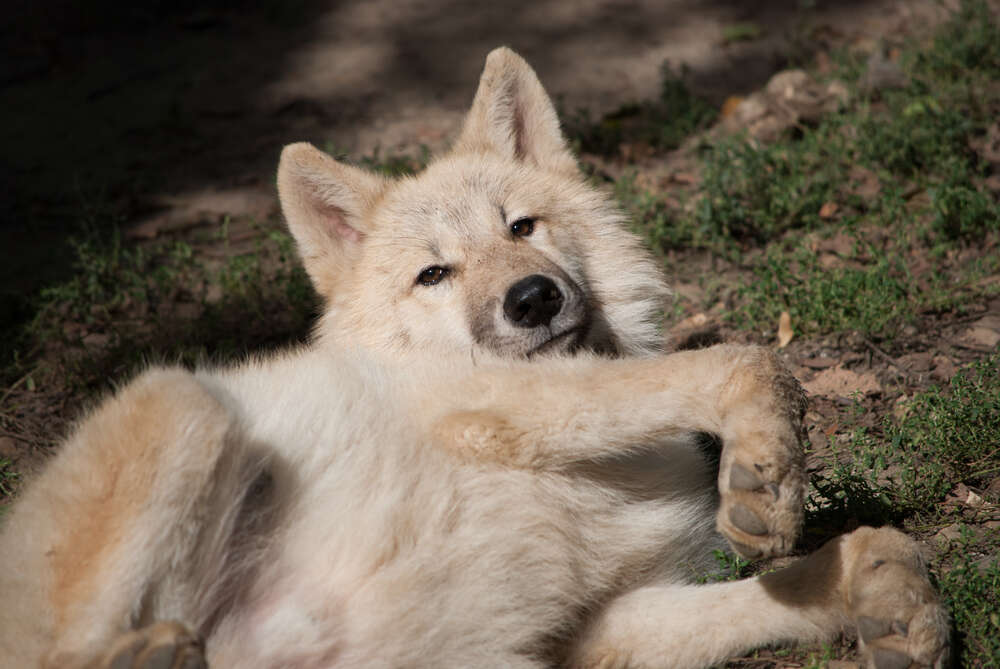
<point x="661" y="125"/>
<point x="873" y="299"/>
<point x="753" y="193"/>
<point x="8" y="478"/>
<point x="962" y="212"/>
<point x="972" y="593"/>
<point x="948" y="435"/>
<point x="730" y="567"/>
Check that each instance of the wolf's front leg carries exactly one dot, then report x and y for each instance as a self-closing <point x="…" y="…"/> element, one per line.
<point x="873" y="580"/>
<point x="548" y="414"/>
<point x="98" y="543"/>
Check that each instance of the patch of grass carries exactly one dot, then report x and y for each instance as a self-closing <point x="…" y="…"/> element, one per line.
<point x="965" y="44"/>
<point x="874" y="299"/>
<point x="8" y="478"/>
<point x="730" y="567"/>
<point x="128" y="304"/>
<point x="753" y="193"/>
<point x="741" y="32"/>
<point x="972" y="593"/>
<point x="660" y="125"/>
<point x="963" y="213"/>
<point x="948" y="436"/>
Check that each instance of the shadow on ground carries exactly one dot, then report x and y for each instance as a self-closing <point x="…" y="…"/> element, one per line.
<point x="105" y="108"/>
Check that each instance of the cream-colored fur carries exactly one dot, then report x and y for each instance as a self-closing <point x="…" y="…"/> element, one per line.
<point x="433" y="482"/>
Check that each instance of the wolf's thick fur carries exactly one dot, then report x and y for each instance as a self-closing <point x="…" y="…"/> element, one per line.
<point x="481" y="460"/>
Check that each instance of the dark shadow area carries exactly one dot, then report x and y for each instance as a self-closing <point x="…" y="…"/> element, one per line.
<point x="104" y="106"/>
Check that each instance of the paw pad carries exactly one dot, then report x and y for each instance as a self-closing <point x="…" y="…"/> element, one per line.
<point x="746" y="520"/>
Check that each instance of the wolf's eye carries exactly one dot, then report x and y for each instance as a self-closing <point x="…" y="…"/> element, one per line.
<point x="432" y="275"/>
<point x="522" y="227"/>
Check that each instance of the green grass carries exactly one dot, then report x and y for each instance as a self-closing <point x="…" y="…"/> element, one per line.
<point x="901" y="471"/>
<point x="912" y="146"/>
<point x="661" y="124"/>
<point x="127" y="304"/>
<point x="949" y="435"/>
<point x="972" y="592"/>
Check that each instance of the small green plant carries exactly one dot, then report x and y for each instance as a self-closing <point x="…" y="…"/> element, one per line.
<point x="8" y="477"/>
<point x="907" y="467"/>
<point x="972" y="592"/>
<point x="661" y="124"/>
<point x="962" y="212"/>
<point x="731" y="567"/>
<point x="948" y="435"/>
<point x="873" y="299"/>
<point x="753" y="193"/>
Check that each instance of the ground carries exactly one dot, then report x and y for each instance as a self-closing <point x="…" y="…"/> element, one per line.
<point x="844" y="211"/>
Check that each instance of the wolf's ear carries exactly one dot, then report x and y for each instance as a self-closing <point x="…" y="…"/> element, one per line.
<point x="512" y="115"/>
<point x="324" y="203"/>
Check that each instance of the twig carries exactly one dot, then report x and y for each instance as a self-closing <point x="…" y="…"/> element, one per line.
<point x="885" y="356"/>
<point x="12" y="387"/>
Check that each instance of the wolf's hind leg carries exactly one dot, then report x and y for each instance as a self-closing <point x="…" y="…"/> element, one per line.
<point x="104" y="537"/>
<point x="871" y="579"/>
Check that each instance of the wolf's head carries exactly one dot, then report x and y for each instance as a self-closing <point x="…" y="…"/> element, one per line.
<point x="498" y="246"/>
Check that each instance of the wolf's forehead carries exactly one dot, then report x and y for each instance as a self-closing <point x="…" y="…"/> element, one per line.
<point x="466" y="204"/>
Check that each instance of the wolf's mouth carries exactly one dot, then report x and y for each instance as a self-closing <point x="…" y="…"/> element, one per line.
<point x="571" y="335"/>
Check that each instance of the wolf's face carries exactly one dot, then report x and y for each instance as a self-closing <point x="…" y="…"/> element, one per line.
<point x="500" y="246"/>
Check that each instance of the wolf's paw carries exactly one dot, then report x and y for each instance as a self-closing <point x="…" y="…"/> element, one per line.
<point x="761" y="507"/>
<point x="901" y="623"/>
<point x="162" y="645"/>
<point x="762" y="477"/>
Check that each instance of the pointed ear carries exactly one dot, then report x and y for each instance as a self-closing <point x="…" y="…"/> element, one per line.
<point x="324" y="203"/>
<point x="511" y="115"/>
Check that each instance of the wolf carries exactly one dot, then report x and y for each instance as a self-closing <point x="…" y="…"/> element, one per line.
<point x="482" y="459"/>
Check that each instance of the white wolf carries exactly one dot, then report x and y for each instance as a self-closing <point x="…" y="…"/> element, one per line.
<point x="481" y="460"/>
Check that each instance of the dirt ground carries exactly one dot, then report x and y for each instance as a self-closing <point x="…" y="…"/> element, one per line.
<point x="182" y="108"/>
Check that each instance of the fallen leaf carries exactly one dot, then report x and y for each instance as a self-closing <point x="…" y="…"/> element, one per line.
<point x="979" y="338"/>
<point x="948" y="534"/>
<point x="730" y="105"/>
<point x="785" y="332"/>
<point x="840" y="382"/>
<point x="819" y="362"/>
<point x="943" y="369"/>
<point x="8" y="449"/>
<point x="828" y="210"/>
<point x="973" y="500"/>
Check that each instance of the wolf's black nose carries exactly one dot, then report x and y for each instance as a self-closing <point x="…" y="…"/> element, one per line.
<point x="532" y="301"/>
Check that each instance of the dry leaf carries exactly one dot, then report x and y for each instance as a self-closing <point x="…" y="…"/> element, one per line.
<point x="730" y="105"/>
<point x="840" y="382"/>
<point x="785" y="332"/>
<point x="828" y="210"/>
